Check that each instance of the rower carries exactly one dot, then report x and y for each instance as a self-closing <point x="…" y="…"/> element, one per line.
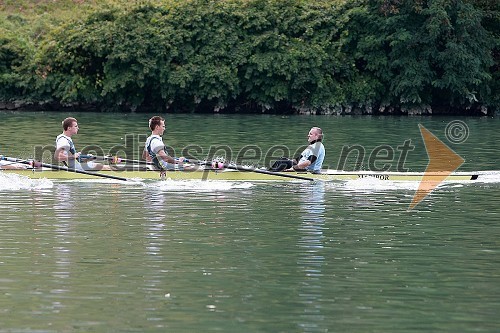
<point x="310" y="160"/>
<point x="155" y="150"/>
<point x="66" y="151"/>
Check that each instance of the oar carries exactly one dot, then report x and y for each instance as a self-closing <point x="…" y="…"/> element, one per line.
<point x="115" y="159"/>
<point x="227" y="166"/>
<point x="62" y="168"/>
<point x="247" y="169"/>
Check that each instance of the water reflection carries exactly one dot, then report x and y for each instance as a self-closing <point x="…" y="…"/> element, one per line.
<point x="154" y="205"/>
<point x="64" y="205"/>
<point x="311" y="258"/>
<point x="64" y="210"/>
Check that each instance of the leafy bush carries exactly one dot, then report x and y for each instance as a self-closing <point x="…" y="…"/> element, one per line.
<point x="254" y="55"/>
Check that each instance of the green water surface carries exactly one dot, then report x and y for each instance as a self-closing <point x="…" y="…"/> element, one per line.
<point x="186" y="256"/>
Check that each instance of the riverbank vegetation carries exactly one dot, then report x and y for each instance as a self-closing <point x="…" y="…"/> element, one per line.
<point x="275" y="56"/>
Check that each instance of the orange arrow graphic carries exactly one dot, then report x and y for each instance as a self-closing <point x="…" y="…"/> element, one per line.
<point x="442" y="162"/>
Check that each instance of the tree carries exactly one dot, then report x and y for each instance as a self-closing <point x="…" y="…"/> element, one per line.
<point x="424" y="52"/>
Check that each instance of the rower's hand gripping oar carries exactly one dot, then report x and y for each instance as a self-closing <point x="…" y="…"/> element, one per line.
<point x="247" y="169"/>
<point x="61" y="168"/>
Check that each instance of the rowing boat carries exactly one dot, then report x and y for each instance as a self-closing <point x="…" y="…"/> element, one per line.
<point x="236" y="175"/>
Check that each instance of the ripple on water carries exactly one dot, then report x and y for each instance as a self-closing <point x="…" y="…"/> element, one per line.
<point x="12" y="182"/>
<point x="196" y="186"/>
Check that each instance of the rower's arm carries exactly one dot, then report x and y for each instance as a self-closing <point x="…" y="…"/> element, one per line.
<point x="62" y="155"/>
<point x="302" y="165"/>
<point x="163" y="155"/>
<point x="145" y="155"/>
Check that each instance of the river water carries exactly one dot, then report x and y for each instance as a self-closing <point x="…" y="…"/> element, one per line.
<point x="193" y="256"/>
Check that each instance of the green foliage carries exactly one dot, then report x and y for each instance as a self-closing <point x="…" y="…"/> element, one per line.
<point x="253" y="55"/>
<point x="16" y="54"/>
<point x="425" y="52"/>
<point x="294" y="54"/>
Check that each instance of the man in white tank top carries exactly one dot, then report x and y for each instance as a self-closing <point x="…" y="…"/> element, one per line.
<point x="154" y="148"/>
<point x="66" y="152"/>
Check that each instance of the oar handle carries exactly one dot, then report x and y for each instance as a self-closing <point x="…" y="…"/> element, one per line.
<point x="86" y="157"/>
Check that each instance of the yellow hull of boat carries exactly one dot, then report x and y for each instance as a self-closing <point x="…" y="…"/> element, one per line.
<point x="234" y="175"/>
